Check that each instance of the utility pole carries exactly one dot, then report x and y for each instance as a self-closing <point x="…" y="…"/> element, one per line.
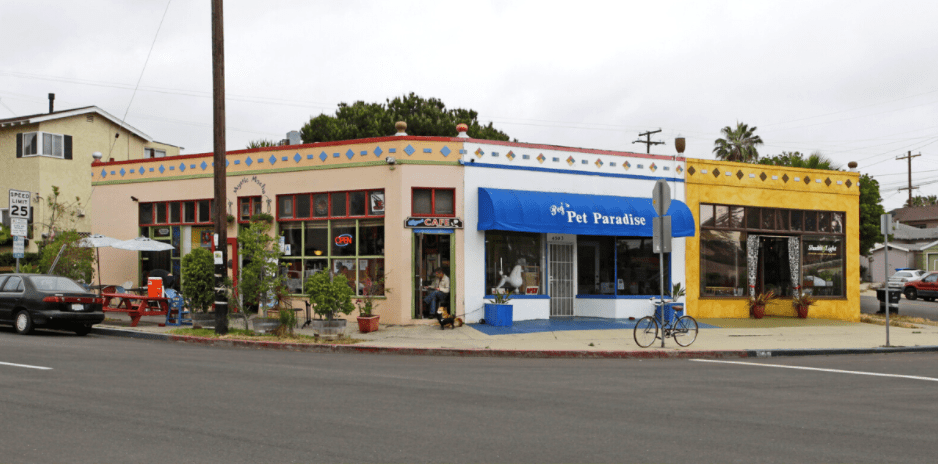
<point x="909" y="188"/>
<point x="218" y="124"/>
<point x="648" y="142"/>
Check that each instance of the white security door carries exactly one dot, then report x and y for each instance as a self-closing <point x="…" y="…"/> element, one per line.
<point x="561" y="279"/>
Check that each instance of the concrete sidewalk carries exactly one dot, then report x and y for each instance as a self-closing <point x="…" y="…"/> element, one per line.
<point x="771" y="336"/>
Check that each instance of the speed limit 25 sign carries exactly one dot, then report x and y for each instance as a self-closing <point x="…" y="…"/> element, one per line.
<point x="19" y="204"/>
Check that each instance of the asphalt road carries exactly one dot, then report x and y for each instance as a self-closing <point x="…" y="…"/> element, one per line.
<point x="106" y="399"/>
<point x="917" y="308"/>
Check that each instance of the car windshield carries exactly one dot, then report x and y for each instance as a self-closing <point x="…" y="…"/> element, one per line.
<point x="55" y="284"/>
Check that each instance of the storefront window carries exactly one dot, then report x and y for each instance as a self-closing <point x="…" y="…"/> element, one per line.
<point x="823" y="265"/>
<point x="292" y="233"/>
<point x="514" y="262"/>
<point x="343" y="238"/>
<point x="637" y="267"/>
<point x="595" y="263"/>
<point x="722" y="263"/>
<point x="317" y="239"/>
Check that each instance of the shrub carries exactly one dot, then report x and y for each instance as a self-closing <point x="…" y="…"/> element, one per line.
<point x="198" y="279"/>
<point x="329" y="295"/>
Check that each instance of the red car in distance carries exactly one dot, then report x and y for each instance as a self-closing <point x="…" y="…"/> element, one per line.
<point x="925" y="288"/>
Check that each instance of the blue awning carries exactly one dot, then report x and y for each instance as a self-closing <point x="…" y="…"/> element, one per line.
<point x="574" y="213"/>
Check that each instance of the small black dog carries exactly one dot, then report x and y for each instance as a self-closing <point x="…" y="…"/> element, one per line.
<point x="447" y="320"/>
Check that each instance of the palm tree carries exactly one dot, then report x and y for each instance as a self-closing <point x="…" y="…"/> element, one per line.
<point x="738" y="144"/>
<point x="795" y="159"/>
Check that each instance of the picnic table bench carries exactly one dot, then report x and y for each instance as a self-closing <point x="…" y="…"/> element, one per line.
<point x="136" y="306"/>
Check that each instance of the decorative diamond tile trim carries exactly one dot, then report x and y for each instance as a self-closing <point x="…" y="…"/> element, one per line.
<point x="309" y="157"/>
<point x="541" y="158"/>
<point x="323" y="157"/>
<point x="527" y="157"/>
<point x="479" y="152"/>
<point x="122" y="171"/>
<point x="763" y="177"/>
<point x="691" y="170"/>
<point x="584" y="162"/>
<point x="237" y="162"/>
<point x="494" y="154"/>
<point x="462" y="152"/>
<point x="598" y="163"/>
<point x="260" y="160"/>
<point x="428" y="150"/>
<point x="349" y="154"/>
<point x="191" y="166"/>
<point x="839" y="182"/>
<point x="817" y="180"/>
<point x="182" y="167"/>
<point x="555" y="159"/>
<point x="848" y="183"/>
<point x="570" y="160"/>
<point x="752" y="175"/>
<point x="510" y="155"/>
<point x="774" y="177"/>
<point x="703" y="171"/>
<point x="716" y="172"/>
<point x="336" y="155"/>
<point x="204" y="165"/>
<point x="378" y="151"/>
<point x="727" y="173"/>
<point x="828" y="181"/>
<point x="151" y="169"/>
<point x="642" y="166"/>
<point x="807" y="180"/>
<point x="171" y="168"/>
<point x="612" y="165"/>
<point x="797" y="179"/>
<point x="409" y="150"/>
<point x="739" y="174"/>
<point x="114" y="173"/>
<point x="666" y="168"/>
<point x="626" y="165"/>
<point x="297" y="158"/>
<point x="283" y="158"/>
<point x="785" y="178"/>
<point x="445" y="151"/>
<point x="679" y="169"/>
<point x="392" y="150"/>
<point x="364" y="153"/>
<point x="103" y="173"/>
<point x="162" y="169"/>
<point x="653" y="167"/>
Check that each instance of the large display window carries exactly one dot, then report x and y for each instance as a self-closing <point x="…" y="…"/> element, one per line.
<point x="514" y="262"/>
<point x="618" y="266"/>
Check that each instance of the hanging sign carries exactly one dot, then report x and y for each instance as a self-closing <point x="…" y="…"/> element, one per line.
<point x="436" y="222"/>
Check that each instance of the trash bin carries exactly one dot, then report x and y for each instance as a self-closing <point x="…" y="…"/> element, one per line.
<point x="893" y="300"/>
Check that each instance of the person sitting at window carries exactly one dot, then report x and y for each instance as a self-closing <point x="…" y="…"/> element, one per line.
<point x="440" y="294"/>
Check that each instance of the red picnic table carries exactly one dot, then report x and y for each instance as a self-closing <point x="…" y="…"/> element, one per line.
<point x="136" y="306"/>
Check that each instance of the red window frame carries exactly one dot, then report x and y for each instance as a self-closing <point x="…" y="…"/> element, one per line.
<point x="433" y="191"/>
<point x="332" y="194"/>
<point x="182" y="213"/>
<point x="256" y="205"/>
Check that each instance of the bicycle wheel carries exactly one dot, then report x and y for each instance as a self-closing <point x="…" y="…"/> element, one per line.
<point x="685" y="331"/>
<point x="646" y="331"/>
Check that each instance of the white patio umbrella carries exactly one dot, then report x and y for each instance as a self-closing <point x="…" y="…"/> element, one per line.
<point x="97" y="241"/>
<point x="143" y="244"/>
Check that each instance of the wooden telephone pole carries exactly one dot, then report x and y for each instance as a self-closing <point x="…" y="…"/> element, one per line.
<point x="648" y="142"/>
<point x="218" y="124"/>
<point x="910" y="187"/>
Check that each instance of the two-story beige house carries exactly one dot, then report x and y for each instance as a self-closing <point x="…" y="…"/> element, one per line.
<point x="56" y="149"/>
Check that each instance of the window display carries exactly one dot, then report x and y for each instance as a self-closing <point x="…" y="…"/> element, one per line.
<point x="513" y="262"/>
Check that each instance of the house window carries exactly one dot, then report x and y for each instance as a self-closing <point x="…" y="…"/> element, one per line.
<point x="44" y="144"/>
<point x="433" y="202"/>
<point x="153" y="153"/>
<point x="175" y="212"/>
<point x="504" y="251"/>
<point x="247" y="207"/>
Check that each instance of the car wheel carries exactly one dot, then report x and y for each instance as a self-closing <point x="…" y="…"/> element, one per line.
<point x="82" y="330"/>
<point x="911" y="294"/>
<point x="23" y="323"/>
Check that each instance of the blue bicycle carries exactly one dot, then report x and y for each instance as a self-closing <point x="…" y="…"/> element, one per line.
<point x="682" y="329"/>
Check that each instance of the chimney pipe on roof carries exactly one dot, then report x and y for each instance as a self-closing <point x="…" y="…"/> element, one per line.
<point x="51" y="99"/>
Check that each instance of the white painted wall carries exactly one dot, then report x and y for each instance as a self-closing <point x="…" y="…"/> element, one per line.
<point x="591" y="178"/>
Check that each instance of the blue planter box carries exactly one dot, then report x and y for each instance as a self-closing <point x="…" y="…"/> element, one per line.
<point x="672" y="311"/>
<point x="498" y="315"/>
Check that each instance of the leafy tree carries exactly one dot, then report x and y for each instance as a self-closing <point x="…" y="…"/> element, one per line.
<point x="75" y="262"/>
<point x="931" y="200"/>
<point x="62" y="214"/>
<point x="871" y="209"/>
<point x="5" y="237"/>
<point x="329" y="295"/>
<point x="261" y="143"/>
<point x="424" y="117"/>
<point x="738" y="144"/>
<point x="198" y="279"/>
<point x="795" y="159"/>
<point x="260" y="280"/>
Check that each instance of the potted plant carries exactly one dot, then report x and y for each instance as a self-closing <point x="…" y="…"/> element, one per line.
<point x="757" y="303"/>
<point x="329" y="295"/>
<point x="498" y="312"/>
<point x="801" y="303"/>
<point x="198" y="286"/>
<point x="367" y="320"/>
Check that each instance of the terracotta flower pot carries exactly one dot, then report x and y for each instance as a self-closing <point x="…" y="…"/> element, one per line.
<point x="802" y="311"/>
<point x="758" y="311"/>
<point x="368" y="323"/>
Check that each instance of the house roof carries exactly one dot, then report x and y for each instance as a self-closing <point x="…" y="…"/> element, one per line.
<point x="905" y="232"/>
<point x="879" y="246"/>
<point x="37" y="118"/>
<point x="917" y="213"/>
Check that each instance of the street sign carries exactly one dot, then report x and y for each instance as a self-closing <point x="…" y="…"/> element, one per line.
<point x="661" y="197"/>
<point x="661" y="234"/>
<point x="18" y="227"/>
<point x="19" y="204"/>
<point x="885" y="224"/>
<point x="18" y="246"/>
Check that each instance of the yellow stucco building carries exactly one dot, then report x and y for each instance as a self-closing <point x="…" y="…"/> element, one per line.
<point x="771" y="228"/>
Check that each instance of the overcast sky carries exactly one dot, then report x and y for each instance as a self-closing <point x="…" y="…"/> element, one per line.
<point x="855" y="80"/>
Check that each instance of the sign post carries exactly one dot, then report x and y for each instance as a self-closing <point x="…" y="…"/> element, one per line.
<point x="885" y="225"/>
<point x="661" y="239"/>
<point x="19" y="219"/>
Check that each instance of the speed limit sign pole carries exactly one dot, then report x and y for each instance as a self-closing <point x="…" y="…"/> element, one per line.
<point x="19" y="220"/>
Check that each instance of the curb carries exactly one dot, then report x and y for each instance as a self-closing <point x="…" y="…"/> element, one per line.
<point x="488" y="353"/>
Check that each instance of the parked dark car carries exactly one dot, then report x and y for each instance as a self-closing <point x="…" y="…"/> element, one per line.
<point x="29" y="301"/>
<point x="925" y="288"/>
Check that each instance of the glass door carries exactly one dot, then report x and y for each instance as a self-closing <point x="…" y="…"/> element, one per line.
<point x="432" y="251"/>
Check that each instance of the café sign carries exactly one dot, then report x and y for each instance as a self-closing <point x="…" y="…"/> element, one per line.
<point x="434" y="222"/>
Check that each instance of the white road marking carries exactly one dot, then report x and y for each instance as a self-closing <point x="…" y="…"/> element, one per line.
<point x="838" y="371"/>
<point x="26" y="366"/>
